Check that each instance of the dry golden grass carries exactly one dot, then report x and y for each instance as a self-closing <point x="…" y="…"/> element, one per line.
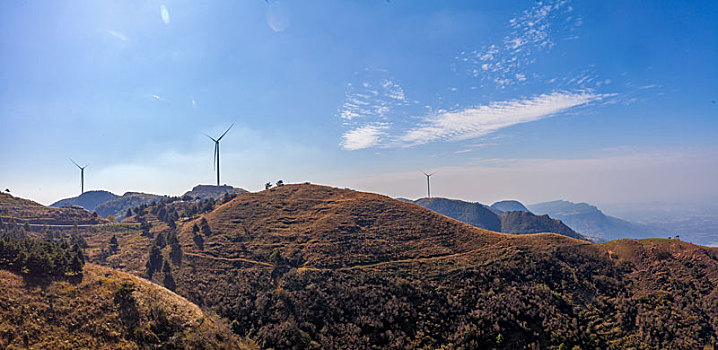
<point x="74" y="313"/>
<point x="23" y="210"/>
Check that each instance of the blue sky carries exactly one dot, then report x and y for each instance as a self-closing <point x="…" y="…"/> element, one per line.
<point x="605" y="102"/>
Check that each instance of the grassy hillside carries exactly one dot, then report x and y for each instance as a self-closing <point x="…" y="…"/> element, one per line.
<point x="211" y="191"/>
<point x="102" y="309"/>
<point x="306" y="266"/>
<point x="117" y="207"/>
<point x="36" y="214"/>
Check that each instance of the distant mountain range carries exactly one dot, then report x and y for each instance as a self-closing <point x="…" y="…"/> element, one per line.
<point x="106" y="203"/>
<point x="492" y="218"/>
<point x="589" y="220"/>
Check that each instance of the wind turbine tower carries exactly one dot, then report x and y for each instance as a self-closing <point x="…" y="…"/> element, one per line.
<point x="428" y="183"/>
<point x="216" y="150"/>
<point x="82" y="175"/>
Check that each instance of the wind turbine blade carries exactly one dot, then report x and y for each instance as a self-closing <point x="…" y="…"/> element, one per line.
<point x="73" y="162"/>
<point x="225" y="133"/>
<point x="433" y="173"/>
<point x="210" y="137"/>
<point x="423" y="172"/>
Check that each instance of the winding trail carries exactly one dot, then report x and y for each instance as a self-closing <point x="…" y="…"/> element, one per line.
<point x="203" y="256"/>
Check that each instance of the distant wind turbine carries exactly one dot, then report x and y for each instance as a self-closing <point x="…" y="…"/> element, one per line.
<point x="428" y="183"/>
<point x="82" y="175"/>
<point x="216" y="150"/>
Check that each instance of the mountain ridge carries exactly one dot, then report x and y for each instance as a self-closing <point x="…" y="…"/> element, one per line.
<point x="589" y="220"/>
<point x="492" y="218"/>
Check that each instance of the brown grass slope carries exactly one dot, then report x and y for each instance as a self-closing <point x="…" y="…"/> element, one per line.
<point x="324" y="227"/>
<point x="84" y="313"/>
<point x="27" y="211"/>
<point x="360" y="271"/>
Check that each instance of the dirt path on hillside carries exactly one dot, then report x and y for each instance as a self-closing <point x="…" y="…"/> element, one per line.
<point x="202" y="256"/>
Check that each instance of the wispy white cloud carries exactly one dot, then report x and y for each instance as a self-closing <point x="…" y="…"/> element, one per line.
<point x="482" y="120"/>
<point x="374" y="99"/>
<point x="165" y="14"/>
<point x="468" y="123"/>
<point x="117" y="35"/>
<point x="156" y="97"/>
<point x="504" y="63"/>
<point x="363" y="137"/>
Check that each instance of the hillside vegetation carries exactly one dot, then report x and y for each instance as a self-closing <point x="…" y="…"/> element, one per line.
<point x="102" y="309"/>
<point x="213" y="192"/>
<point x="304" y="266"/>
<point x="26" y="211"/>
<point x="118" y="207"/>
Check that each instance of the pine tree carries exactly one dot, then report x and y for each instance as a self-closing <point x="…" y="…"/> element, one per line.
<point x="76" y="264"/>
<point x="169" y="281"/>
<point x="160" y="240"/>
<point x="204" y="227"/>
<point x="154" y="262"/>
<point x="176" y="253"/>
<point x="114" y="245"/>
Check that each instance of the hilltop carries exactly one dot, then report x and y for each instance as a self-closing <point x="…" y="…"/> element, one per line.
<point x="313" y="266"/>
<point x="37" y="215"/>
<point x="509" y="205"/>
<point x="211" y="191"/>
<point x="102" y="309"/>
<point x="589" y="220"/>
<point x="88" y="200"/>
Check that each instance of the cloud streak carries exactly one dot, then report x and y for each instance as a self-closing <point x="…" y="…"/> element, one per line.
<point x="117" y="35"/>
<point x="363" y="137"/>
<point x="467" y="123"/>
<point x="478" y="121"/>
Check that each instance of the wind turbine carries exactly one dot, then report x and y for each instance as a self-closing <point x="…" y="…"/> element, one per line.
<point x="82" y="175"/>
<point x="216" y="150"/>
<point x="428" y="183"/>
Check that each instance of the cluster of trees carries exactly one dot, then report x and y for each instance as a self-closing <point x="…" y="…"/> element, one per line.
<point x="40" y="258"/>
<point x="198" y="231"/>
<point x="269" y="185"/>
<point x="156" y="261"/>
